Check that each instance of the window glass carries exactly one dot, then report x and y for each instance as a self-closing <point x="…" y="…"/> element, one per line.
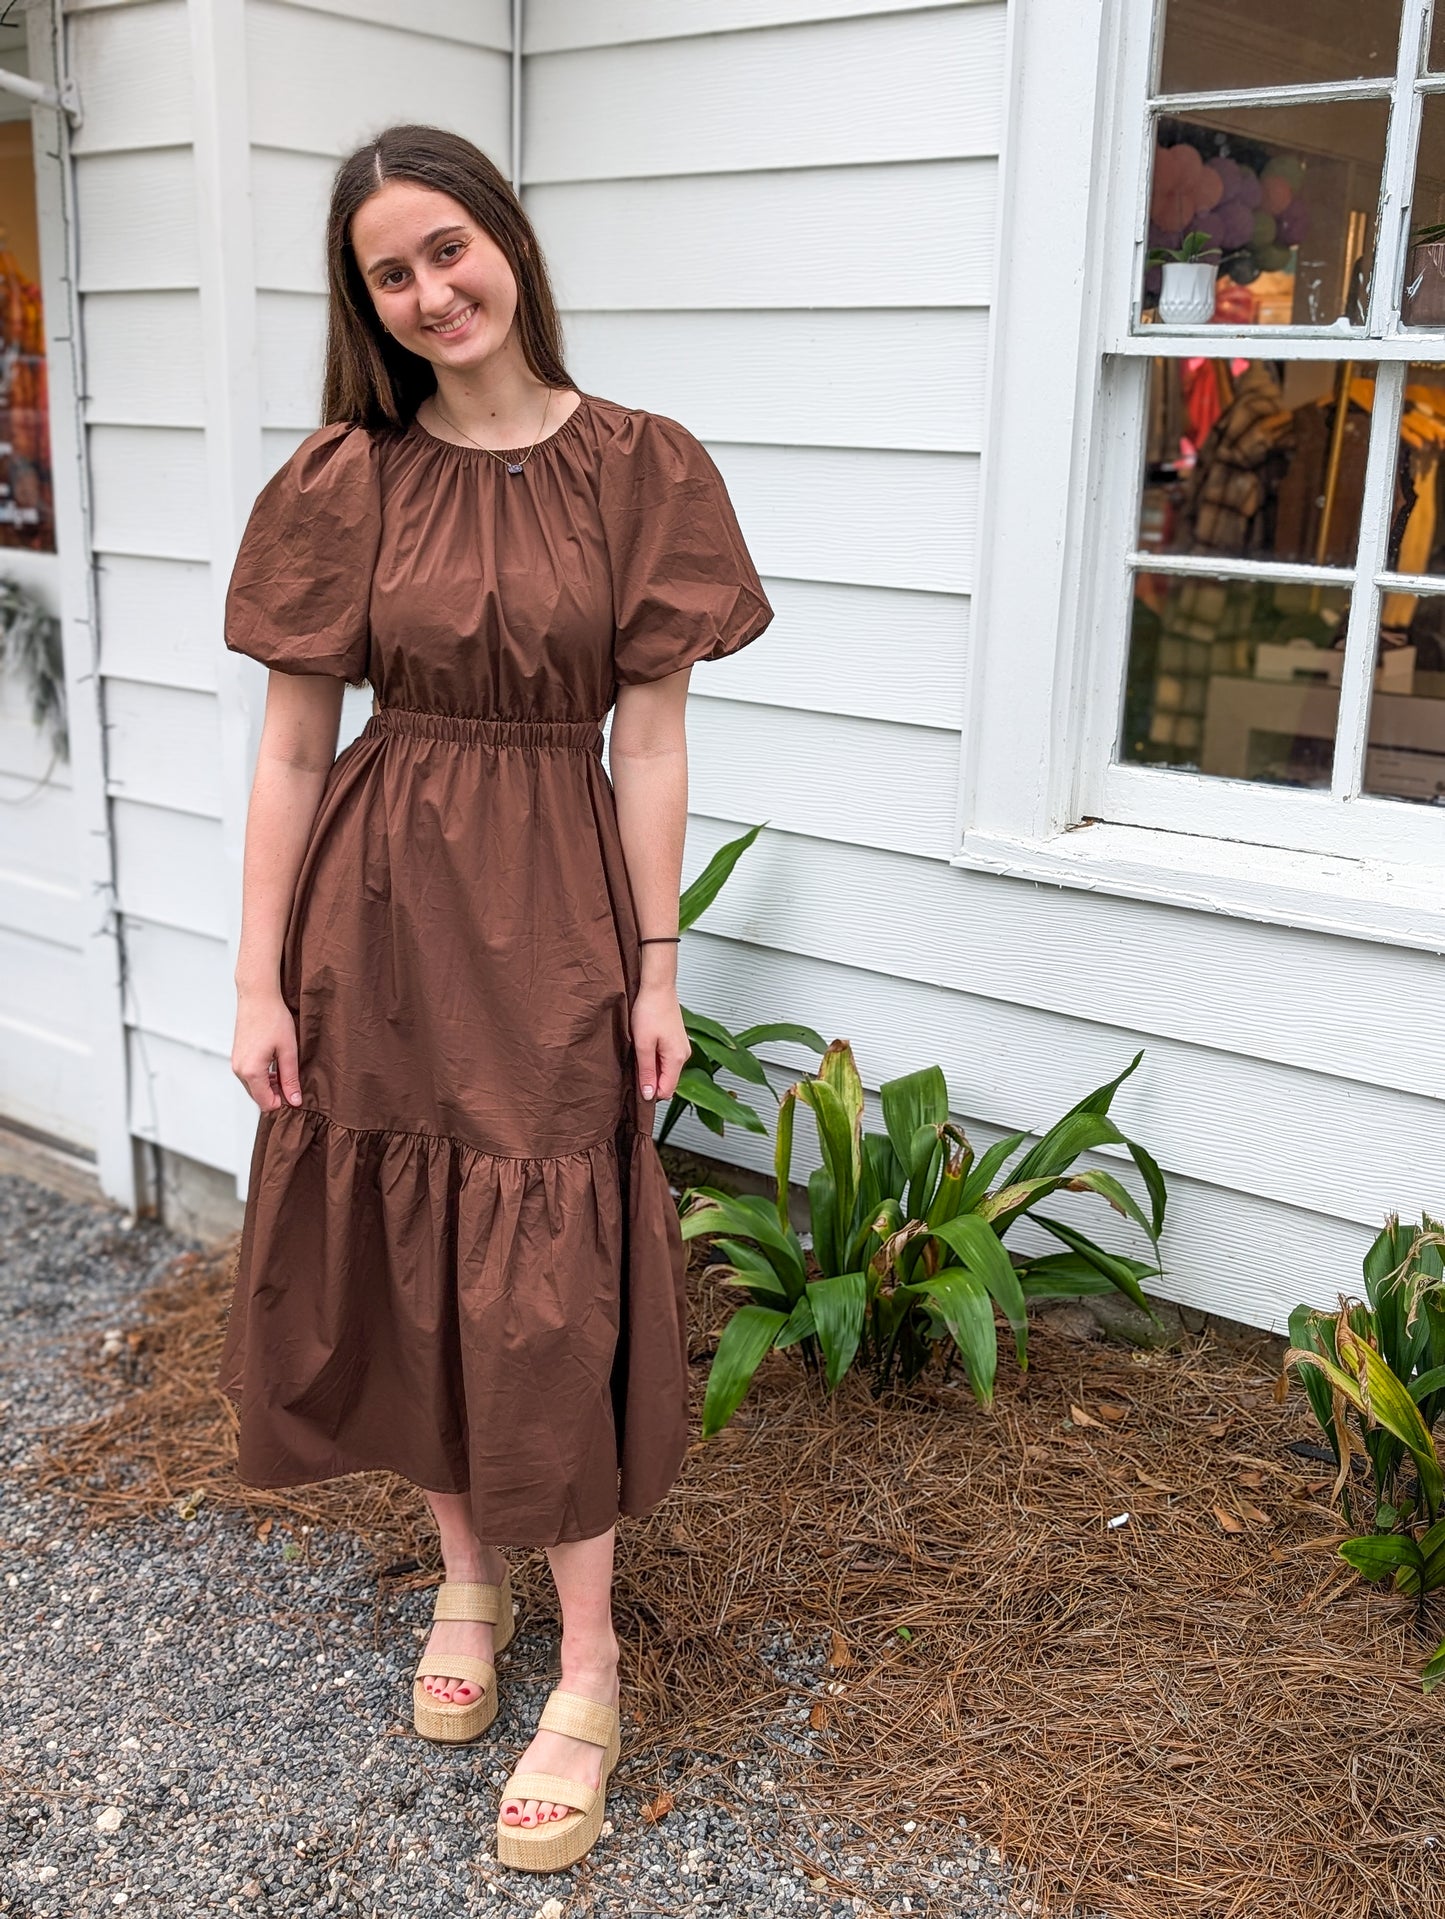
<point x="1236" y="678"/>
<point x="1417" y="528"/>
<point x="1211" y="45"/>
<point x="1287" y="198"/>
<point x="1437" y="42"/>
<point x="27" y="503"/>
<point x="1242" y="460"/>
<point x="1422" y="297"/>
<point x="1405" y="751"/>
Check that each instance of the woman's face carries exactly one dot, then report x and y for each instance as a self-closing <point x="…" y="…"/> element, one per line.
<point x="439" y="282"/>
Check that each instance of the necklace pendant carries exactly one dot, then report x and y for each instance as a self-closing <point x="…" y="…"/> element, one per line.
<point x="514" y="466"/>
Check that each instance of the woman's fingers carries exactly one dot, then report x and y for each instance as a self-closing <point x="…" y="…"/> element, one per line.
<point x="288" y="1079"/>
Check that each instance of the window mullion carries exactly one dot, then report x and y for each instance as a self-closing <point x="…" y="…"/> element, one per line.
<point x="1362" y="637"/>
<point x="1398" y="183"/>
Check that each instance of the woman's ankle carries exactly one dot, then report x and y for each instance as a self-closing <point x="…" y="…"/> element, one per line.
<point x="471" y="1564"/>
<point x="589" y="1665"/>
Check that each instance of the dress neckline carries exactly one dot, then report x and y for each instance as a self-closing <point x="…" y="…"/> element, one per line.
<point x="493" y="455"/>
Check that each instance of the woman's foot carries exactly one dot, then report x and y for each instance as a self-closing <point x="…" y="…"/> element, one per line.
<point x="481" y="1566"/>
<point x="592" y="1672"/>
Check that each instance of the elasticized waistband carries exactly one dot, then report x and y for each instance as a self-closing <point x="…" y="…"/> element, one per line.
<point x="471" y="729"/>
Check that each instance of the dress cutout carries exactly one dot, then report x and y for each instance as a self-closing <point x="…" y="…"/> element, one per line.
<point x="459" y="1259"/>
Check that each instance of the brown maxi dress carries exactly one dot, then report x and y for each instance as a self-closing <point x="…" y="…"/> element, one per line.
<point x="459" y="1259"/>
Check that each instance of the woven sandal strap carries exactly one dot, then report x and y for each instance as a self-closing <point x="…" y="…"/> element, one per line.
<point x="550" y="1785"/>
<point x="456" y="1665"/>
<point x="482" y="1605"/>
<point x="578" y="1718"/>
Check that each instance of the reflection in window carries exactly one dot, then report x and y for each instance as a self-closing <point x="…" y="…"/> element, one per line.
<point x="1287" y="197"/>
<point x="1238" y="678"/>
<point x="1242" y="459"/>
<point x="1422" y="295"/>
<point x="1214" y="45"/>
<point x="1417" y="527"/>
<point x="1405" y="752"/>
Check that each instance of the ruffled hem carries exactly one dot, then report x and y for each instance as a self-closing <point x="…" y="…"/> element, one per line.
<point x="510" y="1327"/>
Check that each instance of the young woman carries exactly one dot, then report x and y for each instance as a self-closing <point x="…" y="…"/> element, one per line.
<point x="456" y="984"/>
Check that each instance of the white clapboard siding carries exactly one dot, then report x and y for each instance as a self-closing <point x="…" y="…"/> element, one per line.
<point x="183" y="1098"/>
<point x="136" y="220"/>
<point x="44" y="987"/>
<point x="321" y="83"/>
<point x="34" y="906"/>
<point x="1242" y="1125"/>
<point x="861" y="236"/>
<point x="171" y="867"/>
<point x="1250" y="1259"/>
<point x="1265" y="992"/>
<point x="825" y="93"/>
<point x="148" y="491"/>
<point x="143" y="359"/>
<point x="474" y="23"/>
<point x="26" y="754"/>
<point x="164" y="747"/>
<point x="865" y="516"/>
<point x="289" y="194"/>
<point x="890" y="377"/>
<point x="821" y="774"/>
<point x="180" y="985"/>
<point x="131" y="55"/>
<point x="291" y="346"/>
<point x="156" y="620"/>
<point x="45" y="1074"/>
<point x="554" y="25"/>
<point x="878" y="653"/>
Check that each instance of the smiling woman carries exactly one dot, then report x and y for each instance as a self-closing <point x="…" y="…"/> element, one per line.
<point x="457" y="1001"/>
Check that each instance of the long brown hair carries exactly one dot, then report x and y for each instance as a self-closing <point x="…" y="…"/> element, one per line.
<point x="371" y="379"/>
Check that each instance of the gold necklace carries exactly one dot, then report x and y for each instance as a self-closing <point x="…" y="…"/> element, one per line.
<point x="512" y="466"/>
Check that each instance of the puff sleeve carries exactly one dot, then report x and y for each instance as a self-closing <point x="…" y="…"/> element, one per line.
<point x="299" y="594"/>
<point x="684" y="587"/>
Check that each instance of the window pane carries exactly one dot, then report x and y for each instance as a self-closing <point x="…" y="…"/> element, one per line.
<point x="1238" y="678"/>
<point x="1210" y="45"/>
<point x="1417" y="530"/>
<point x="1405" y="751"/>
<point x="1287" y="197"/>
<point x="1437" y="42"/>
<point x="1422" y="299"/>
<point x="1241" y="460"/>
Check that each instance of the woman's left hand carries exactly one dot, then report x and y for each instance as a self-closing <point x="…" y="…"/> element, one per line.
<point x="659" y="1040"/>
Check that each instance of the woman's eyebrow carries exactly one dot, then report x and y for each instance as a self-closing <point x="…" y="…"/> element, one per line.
<point x="430" y="240"/>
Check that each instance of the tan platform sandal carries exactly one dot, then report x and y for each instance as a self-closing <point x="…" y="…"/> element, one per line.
<point x="562" y="1842"/>
<point x="448" y="1723"/>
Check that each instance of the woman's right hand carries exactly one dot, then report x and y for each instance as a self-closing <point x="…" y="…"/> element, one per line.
<point x="265" y="1031"/>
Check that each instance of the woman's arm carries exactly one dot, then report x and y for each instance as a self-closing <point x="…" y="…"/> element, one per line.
<point x="298" y="746"/>
<point x="647" y="757"/>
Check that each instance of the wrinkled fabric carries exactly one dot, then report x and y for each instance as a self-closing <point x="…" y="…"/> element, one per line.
<point x="460" y="1260"/>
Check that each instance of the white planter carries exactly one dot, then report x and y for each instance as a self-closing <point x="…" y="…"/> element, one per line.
<point x="1187" y="295"/>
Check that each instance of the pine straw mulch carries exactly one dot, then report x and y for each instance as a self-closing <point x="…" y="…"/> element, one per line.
<point x="1197" y="1714"/>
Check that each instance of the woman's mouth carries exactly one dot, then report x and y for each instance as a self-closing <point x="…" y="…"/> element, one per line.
<point x="446" y="329"/>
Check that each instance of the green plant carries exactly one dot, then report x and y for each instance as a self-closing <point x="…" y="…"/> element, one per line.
<point x="1192" y="250"/>
<point x="1429" y="235"/>
<point x="713" y="1046"/>
<point x="30" y="647"/>
<point x="906" y="1236"/>
<point x="1374" y="1373"/>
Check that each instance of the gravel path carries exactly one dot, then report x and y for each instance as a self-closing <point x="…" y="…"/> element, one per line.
<point x="192" y="1722"/>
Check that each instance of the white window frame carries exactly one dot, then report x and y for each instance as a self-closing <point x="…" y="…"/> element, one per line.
<point x="1040" y="794"/>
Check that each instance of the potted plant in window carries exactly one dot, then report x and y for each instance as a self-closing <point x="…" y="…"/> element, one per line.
<point x="1422" y="300"/>
<point x="1189" y="273"/>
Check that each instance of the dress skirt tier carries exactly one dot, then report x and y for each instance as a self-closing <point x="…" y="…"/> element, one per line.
<point x="460" y="1260"/>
